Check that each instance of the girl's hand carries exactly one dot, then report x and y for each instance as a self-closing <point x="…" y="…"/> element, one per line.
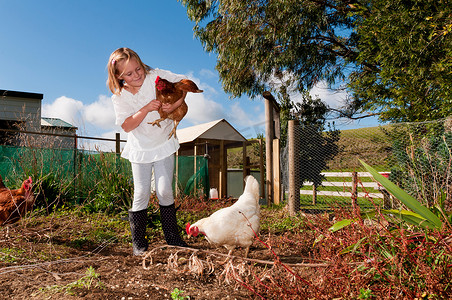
<point x="153" y="105"/>
<point x="169" y="108"/>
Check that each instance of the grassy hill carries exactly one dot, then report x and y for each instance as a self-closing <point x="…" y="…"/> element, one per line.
<point x="369" y="144"/>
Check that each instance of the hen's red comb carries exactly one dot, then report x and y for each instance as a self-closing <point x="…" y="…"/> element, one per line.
<point x="187" y="228"/>
<point x="157" y="79"/>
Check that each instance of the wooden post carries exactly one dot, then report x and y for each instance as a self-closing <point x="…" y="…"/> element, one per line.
<point x="354" y="189"/>
<point x="269" y="135"/>
<point x="276" y="173"/>
<point x="222" y="189"/>
<point x="386" y="199"/>
<point x="261" y="166"/>
<point x="195" y="182"/>
<point x="294" y="189"/>
<point x="245" y="163"/>
<point x="118" y="143"/>
<point x="176" y="179"/>
<point x="314" y="194"/>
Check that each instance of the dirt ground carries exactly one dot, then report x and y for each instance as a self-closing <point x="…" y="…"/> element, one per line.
<point x="42" y="260"/>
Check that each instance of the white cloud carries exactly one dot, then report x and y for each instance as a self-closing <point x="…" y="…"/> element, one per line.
<point x="93" y="118"/>
<point x="248" y="123"/>
<point x="100" y="113"/>
<point x="202" y="110"/>
<point x="208" y="74"/>
<point x="331" y="97"/>
<point x="101" y="145"/>
<point x="97" y="119"/>
<point x="66" y="109"/>
<point x="207" y="89"/>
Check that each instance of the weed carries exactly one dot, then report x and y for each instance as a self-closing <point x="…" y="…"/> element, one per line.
<point x="176" y="294"/>
<point x="86" y="282"/>
<point x="10" y="255"/>
<point x="365" y="294"/>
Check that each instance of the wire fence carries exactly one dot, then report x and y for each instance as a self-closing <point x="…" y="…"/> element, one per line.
<point x="323" y="168"/>
<point x="102" y="181"/>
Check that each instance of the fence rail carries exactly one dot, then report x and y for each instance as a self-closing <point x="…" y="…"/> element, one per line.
<point x="343" y="184"/>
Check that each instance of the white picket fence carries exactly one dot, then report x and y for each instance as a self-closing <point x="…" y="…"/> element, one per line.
<point x="346" y="185"/>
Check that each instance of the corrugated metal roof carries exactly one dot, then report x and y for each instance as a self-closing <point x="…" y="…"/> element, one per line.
<point x="55" y="122"/>
<point x="215" y="130"/>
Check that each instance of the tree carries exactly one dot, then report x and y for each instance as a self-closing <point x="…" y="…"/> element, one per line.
<point x="297" y="42"/>
<point x="405" y="60"/>
<point x="395" y="56"/>
<point x="317" y="145"/>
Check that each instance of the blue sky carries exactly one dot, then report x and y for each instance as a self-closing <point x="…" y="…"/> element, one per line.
<point x="60" y="48"/>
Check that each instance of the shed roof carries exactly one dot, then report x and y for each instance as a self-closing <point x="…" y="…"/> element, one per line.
<point x="215" y="130"/>
<point x="55" y="122"/>
<point x="16" y="94"/>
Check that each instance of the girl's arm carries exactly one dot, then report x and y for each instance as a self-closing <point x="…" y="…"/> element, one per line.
<point x="169" y="108"/>
<point x="135" y="120"/>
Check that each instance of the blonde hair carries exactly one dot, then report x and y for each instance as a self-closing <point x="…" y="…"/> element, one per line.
<point x="114" y="84"/>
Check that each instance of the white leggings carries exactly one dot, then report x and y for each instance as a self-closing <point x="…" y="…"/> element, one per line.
<point x="142" y="175"/>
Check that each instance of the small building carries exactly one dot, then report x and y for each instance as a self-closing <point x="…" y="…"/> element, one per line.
<point x="22" y="111"/>
<point x="63" y="130"/>
<point x="18" y="110"/>
<point x="212" y="140"/>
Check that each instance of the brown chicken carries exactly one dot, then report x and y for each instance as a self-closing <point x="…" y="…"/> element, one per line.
<point x="170" y="92"/>
<point x="15" y="203"/>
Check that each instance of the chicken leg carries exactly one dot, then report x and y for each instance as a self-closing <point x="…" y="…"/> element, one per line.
<point x="157" y="122"/>
<point x="227" y="258"/>
<point x="173" y="132"/>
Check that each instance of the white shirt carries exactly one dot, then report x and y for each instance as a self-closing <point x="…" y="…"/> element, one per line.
<point x="146" y="143"/>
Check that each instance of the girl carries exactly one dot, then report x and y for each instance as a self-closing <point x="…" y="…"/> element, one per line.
<point x="147" y="147"/>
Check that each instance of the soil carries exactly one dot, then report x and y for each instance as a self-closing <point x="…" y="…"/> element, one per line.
<point x="41" y="258"/>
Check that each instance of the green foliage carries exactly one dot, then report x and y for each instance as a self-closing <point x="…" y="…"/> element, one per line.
<point x="295" y="42"/>
<point x="283" y="224"/>
<point x="421" y="161"/>
<point x="52" y="192"/>
<point x="404" y="54"/>
<point x="425" y="217"/>
<point x="394" y="56"/>
<point x="315" y="146"/>
<point x="112" y="189"/>
<point x="365" y="294"/>
<point x="400" y="248"/>
<point x="86" y="282"/>
<point x="10" y="255"/>
<point x="176" y="294"/>
<point x="419" y="216"/>
<point x="316" y="149"/>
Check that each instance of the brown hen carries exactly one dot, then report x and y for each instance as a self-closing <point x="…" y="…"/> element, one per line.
<point x="15" y="203"/>
<point x="170" y="92"/>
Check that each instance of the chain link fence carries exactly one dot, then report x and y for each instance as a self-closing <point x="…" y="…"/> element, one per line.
<point x="323" y="169"/>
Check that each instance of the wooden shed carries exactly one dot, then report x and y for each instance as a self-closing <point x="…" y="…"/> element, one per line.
<point x="18" y="110"/>
<point x="212" y="140"/>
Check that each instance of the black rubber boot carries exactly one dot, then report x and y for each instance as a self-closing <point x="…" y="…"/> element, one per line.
<point x="169" y="225"/>
<point x="137" y="221"/>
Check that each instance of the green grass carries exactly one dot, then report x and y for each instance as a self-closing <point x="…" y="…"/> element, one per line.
<point x="91" y="279"/>
<point x="10" y="255"/>
<point x="328" y="202"/>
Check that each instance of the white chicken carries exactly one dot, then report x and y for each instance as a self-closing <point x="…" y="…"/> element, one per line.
<point x="230" y="226"/>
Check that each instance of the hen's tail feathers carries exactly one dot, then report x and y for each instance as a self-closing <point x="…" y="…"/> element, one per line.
<point x="252" y="186"/>
<point x="188" y="86"/>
